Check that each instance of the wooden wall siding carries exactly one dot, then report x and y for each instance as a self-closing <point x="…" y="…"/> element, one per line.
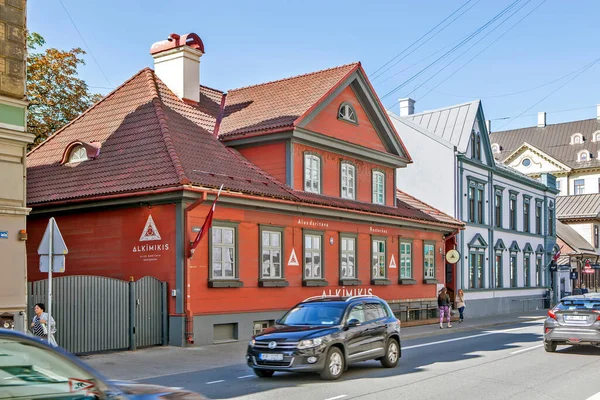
<point x="331" y="166"/>
<point x="327" y="123"/>
<point x="269" y="157"/>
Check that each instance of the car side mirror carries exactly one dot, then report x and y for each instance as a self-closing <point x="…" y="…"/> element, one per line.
<point x="352" y="323"/>
<point x="278" y="322"/>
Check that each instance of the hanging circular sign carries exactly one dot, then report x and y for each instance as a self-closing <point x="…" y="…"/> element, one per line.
<point x="452" y="256"/>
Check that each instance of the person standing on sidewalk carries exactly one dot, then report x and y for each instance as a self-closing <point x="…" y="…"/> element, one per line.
<point x="41" y="326"/>
<point x="444" y="307"/>
<point x="460" y="304"/>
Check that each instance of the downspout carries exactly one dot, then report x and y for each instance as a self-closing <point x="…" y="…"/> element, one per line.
<point x="189" y="318"/>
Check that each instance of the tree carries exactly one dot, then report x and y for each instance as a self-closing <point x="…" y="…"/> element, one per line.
<point x="56" y="95"/>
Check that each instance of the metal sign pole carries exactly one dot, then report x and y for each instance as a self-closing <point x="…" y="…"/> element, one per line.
<point x="50" y="257"/>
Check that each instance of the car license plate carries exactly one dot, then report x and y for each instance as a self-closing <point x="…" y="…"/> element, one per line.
<point x="575" y="318"/>
<point x="270" y="357"/>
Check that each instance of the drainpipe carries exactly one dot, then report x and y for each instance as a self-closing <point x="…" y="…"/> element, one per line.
<point x="189" y="318"/>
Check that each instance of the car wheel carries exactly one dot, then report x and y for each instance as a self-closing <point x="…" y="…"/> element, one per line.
<point x="334" y="364"/>
<point x="392" y="354"/>
<point x="550" y="347"/>
<point x="263" y="373"/>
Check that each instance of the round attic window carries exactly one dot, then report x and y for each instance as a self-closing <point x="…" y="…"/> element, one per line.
<point x="526" y="162"/>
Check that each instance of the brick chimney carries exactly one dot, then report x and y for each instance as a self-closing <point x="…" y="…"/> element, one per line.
<point x="407" y="107"/>
<point x="177" y="64"/>
<point x="542" y="119"/>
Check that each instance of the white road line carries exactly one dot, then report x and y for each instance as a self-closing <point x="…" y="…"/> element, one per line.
<point x="527" y="349"/>
<point x="464" y="338"/>
<point x="245" y="376"/>
<point x="211" y="382"/>
<point x="594" y="397"/>
<point x="337" y="397"/>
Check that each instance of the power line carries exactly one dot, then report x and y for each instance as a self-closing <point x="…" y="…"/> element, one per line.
<point x="588" y="66"/>
<point x="84" y="42"/>
<point x="416" y="41"/>
<point x="547" y="112"/>
<point x="475" y="33"/>
<point x="488" y="46"/>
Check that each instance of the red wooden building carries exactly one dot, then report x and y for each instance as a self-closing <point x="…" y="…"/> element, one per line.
<point x="309" y="204"/>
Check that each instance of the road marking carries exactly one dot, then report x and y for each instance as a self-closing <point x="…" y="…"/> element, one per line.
<point x="337" y="397"/>
<point x="527" y="349"/>
<point x="245" y="376"/>
<point x="594" y="397"/>
<point x="211" y="382"/>
<point x="464" y="338"/>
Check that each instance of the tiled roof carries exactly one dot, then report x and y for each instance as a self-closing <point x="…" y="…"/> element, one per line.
<point x="554" y="140"/>
<point x="573" y="239"/>
<point x="278" y="104"/>
<point x="426" y="208"/>
<point x="453" y="124"/>
<point x="578" y="206"/>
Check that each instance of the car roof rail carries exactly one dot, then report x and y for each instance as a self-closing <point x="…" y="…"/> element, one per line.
<point x="318" y="297"/>
<point x="360" y="296"/>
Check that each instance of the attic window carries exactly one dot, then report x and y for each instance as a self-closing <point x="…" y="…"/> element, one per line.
<point x="583" y="155"/>
<point x="495" y="148"/>
<point x="577" y="138"/>
<point x="78" y="154"/>
<point x="596" y="136"/>
<point x="347" y="113"/>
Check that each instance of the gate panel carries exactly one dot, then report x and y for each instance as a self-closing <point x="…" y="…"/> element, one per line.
<point x="149" y="312"/>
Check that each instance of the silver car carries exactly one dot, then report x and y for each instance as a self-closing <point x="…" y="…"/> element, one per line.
<point x="573" y="321"/>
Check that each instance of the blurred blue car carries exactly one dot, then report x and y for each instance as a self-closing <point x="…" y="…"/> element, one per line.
<point x="32" y="369"/>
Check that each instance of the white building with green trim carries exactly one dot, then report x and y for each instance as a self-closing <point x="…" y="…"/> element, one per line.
<point x="510" y="235"/>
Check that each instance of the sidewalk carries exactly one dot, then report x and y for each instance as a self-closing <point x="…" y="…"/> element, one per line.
<point x="168" y="360"/>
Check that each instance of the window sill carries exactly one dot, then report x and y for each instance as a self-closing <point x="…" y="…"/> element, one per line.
<point x="380" y="282"/>
<point x="273" y="283"/>
<point x="225" y="284"/>
<point x="430" y="281"/>
<point x="350" y="282"/>
<point x="407" y="281"/>
<point x="315" y="282"/>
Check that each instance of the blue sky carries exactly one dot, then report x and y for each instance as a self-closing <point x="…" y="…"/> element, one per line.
<point x="250" y="42"/>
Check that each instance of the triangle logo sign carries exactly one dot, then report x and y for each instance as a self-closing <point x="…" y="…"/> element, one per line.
<point x="150" y="232"/>
<point x="393" y="262"/>
<point x="293" y="259"/>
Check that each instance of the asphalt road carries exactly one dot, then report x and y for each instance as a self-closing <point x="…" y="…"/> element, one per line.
<point x="508" y="362"/>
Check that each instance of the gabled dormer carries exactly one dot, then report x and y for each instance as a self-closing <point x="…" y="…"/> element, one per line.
<point x="583" y="156"/>
<point x="577" y="138"/>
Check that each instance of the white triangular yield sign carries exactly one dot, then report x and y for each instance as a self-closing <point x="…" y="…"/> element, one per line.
<point x="76" y="385"/>
<point x="293" y="261"/>
<point x="393" y="262"/>
<point x="58" y="243"/>
<point x="150" y="232"/>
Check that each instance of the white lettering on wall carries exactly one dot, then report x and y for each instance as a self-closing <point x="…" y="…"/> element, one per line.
<point x="344" y="291"/>
<point x="377" y="230"/>
<point x="314" y="224"/>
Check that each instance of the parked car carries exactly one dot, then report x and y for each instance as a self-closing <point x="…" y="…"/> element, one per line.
<point x="325" y="334"/>
<point x="573" y="321"/>
<point x="31" y="369"/>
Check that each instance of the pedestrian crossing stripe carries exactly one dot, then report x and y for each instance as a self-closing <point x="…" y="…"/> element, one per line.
<point x="393" y="262"/>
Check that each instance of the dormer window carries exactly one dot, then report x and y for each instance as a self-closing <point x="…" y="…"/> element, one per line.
<point x="78" y="154"/>
<point x="583" y="155"/>
<point x="596" y="136"/>
<point x="577" y="138"/>
<point x="79" y="151"/>
<point x="347" y="113"/>
<point x="495" y="148"/>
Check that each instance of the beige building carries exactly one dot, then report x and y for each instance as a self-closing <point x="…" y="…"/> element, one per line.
<point x="13" y="147"/>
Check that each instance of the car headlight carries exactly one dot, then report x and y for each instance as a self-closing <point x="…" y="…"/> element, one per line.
<point x="307" y="344"/>
<point x="251" y="343"/>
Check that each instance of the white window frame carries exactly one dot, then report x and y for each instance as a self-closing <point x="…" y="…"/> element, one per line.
<point x="495" y="148"/>
<point x="378" y="259"/>
<point x="596" y="136"/>
<point x="429" y="261"/>
<point x="577" y="138"/>
<point x="312" y="175"/>
<point x="583" y="155"/>
<point x="311" y="252"/>
<point x="378" y="187"/>
<point x="271" y="250"/>
<point x="347" y="113"/>
<point x="222" y="245"/>
<point x="406" y="270"/>
<point x="578" y="189"/>
<point x="78" y="154"/>
<point x="348" y="181"/>
<point x="345" y="253"/>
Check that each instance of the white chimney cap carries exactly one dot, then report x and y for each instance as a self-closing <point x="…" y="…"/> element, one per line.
<point x="407" y="106"/>
<point x="541" y="119"/>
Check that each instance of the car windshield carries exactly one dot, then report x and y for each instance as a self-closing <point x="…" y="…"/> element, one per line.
<point x="314" y="314"/>
<point x="579" y="304"/>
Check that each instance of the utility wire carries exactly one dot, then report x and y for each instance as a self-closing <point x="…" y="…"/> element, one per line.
<point x="482" y="50"/>
<point x="84" y="42"/>
<point x="588" y="66"/>
<point x="472" y="35"/>
<point x="548" y="112"/>
<point x="416" y="41"/>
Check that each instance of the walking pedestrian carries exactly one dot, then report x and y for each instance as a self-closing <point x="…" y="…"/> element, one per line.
<point x="444" y="307"/>
<point x="40" y="326"/>
<point x="460" y="304"/>
<point x="584" y="290"/>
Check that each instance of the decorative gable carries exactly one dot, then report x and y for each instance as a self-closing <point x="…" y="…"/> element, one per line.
<point x="499" y="246"/>
<point x="477" y="241"/>
<point x="514" y="247"/>
<point x="528" y="159"/>
<point x="527" y="248"/>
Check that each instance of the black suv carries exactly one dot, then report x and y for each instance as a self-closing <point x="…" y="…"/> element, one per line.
<point x="325" y="334"/>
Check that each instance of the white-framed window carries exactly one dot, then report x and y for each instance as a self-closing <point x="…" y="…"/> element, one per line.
<point x="596" y="136"/>
<point x="347" y="113"/>
<point x="271" y="255"/>
<point x="312" y="173"/>
<point x="348" y="258"/>
<point x="577" y="138"/>
<point x="429" y="260"/>
<point x="378" y="187"/>
<point x="78" y="154"/>
<point x="495" y="148"/>
<point x="348" y="181"/>
<point x="313" y="256"/>
<point x="526" y="162"/>
<point x="405" y="260"/>
<point x="378" y="259"/>
<point x="583" y="155"/>
<point x="579" y="186"/>
<point x="223" y="253"/>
